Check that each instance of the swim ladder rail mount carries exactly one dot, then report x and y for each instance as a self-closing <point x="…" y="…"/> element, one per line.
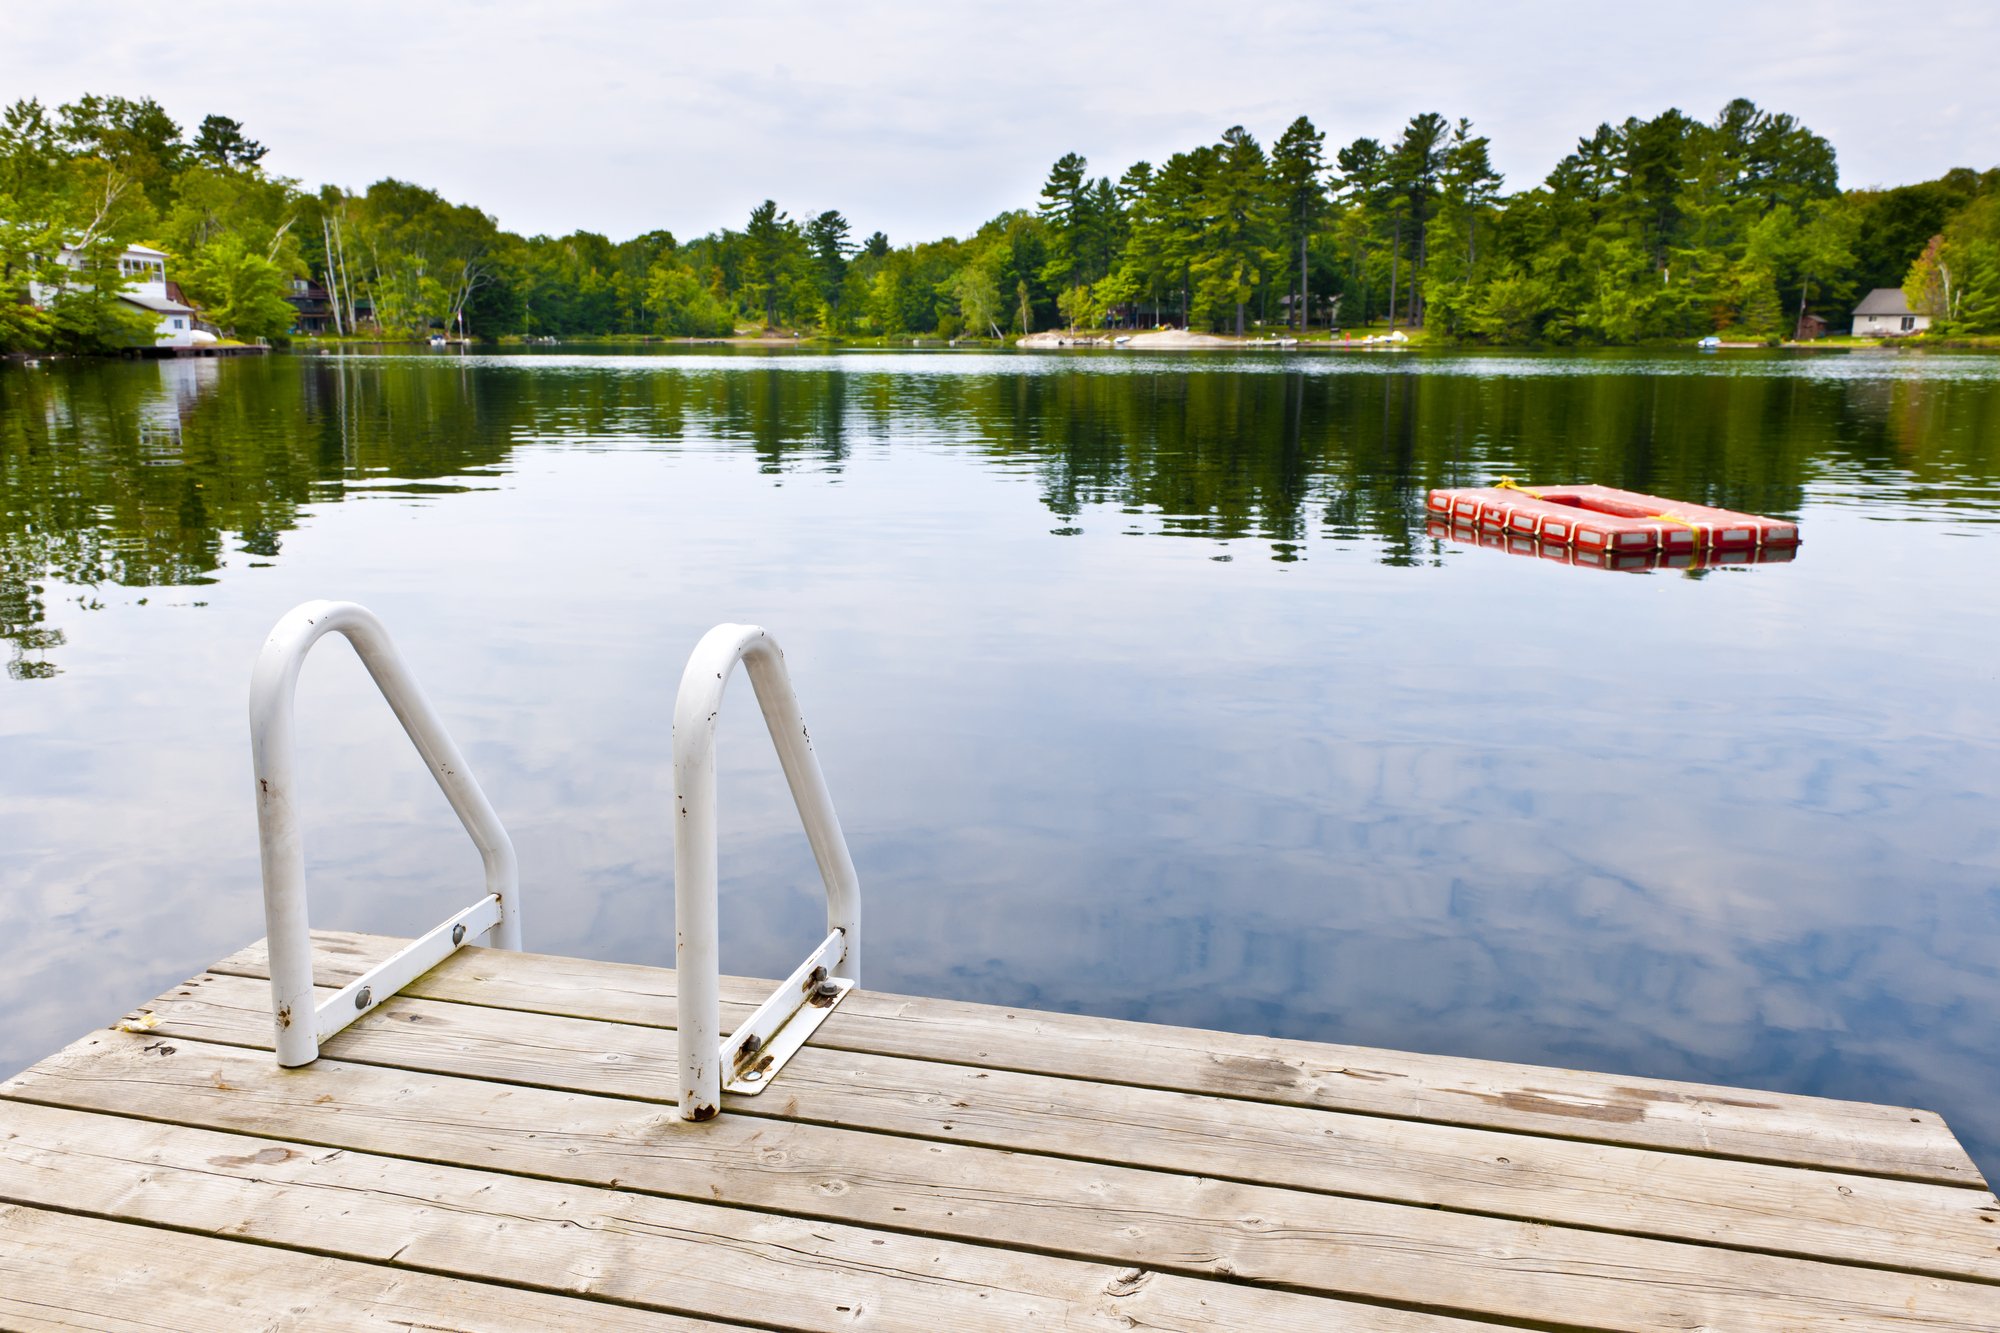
<point x="757" y="1050"/>
<point x="273" y="685"/>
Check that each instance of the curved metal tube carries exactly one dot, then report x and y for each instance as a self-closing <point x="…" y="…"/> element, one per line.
<point x="273" y="683"/>
<point x="702" y="1057"/>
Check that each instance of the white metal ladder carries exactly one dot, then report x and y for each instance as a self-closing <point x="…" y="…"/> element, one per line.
<point x="302" y="1025"/>
<point x="755" y="1052"/>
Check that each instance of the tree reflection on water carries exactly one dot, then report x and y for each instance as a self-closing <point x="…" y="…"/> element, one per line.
<point x="165" y="474"/>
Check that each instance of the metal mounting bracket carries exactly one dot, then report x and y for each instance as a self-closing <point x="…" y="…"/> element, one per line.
<point x="755" y="1052"/>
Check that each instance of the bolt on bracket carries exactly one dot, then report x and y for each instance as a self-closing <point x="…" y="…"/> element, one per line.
<point x="755" y="1052"/>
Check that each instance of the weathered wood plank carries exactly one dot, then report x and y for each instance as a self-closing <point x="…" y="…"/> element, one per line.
<point x="1469" y="1265"/>
<point x="1816" y="1214"/>
<point x="61" y="1271"/>
<point x="659" y="1253"/>
<point x="1683" y="1117"/>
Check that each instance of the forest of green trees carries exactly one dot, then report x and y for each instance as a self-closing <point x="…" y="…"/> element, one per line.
<point x="1668" y="228"/>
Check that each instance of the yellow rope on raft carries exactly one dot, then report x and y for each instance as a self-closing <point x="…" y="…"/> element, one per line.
<point x="1676" y="518"/>
<point x="1509" y="484"/>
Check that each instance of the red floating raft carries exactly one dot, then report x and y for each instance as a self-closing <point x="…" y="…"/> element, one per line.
<point x="1587" y="558"/>
<point x="1603" y="519"/>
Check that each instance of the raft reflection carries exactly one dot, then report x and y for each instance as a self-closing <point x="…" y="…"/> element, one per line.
<point x="1624" y="562"/>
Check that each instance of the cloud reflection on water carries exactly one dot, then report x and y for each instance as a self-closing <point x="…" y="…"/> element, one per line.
<point x="1354" y="784"/>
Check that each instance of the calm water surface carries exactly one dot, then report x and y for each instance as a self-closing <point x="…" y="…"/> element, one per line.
<point x="1139" y="683"/>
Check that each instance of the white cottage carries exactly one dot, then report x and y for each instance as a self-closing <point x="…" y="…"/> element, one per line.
<point x="147" y="287"/>
<point x="1885" y="313"/>
<point x="145" y="269"/>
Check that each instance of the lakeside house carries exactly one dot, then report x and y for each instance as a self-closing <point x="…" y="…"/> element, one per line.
<point x="314" y="311"/>
<point x="312" y="307"/>
<point x="1885" y="313"/>
<point x="177" y="323"/>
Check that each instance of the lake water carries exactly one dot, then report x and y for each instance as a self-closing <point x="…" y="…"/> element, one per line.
<point x="1140" y="686"/>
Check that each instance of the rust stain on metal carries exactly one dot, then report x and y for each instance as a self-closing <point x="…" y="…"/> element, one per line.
<point x="704" y="1112"/>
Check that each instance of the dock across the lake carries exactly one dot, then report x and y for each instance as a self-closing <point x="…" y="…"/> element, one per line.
<point x="497" y="1148"/>
<point x="171" y="352"/>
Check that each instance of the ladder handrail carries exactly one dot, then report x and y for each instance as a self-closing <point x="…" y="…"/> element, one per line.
<point x="703" y="1061"/>
<point x="273" y="684"/>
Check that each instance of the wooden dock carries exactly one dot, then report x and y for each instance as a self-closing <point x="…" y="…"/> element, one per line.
<point x="170" y="353"/>
<point x="496" y="1148"/>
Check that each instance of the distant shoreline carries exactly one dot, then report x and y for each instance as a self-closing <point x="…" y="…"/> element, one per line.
<point x="1155" y="340"/>
<point x="1082" y="341"/>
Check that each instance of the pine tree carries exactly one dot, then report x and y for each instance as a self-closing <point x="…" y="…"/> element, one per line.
<point x="771" y="241"/>
<point x="1466" y="183"/>
<point x="826" y="238"/>
<point x="1240" y="214"/>
<point x="1364" y="178"/>
<point x="1414" y="167"/>
<point x="1298" y="161"/>
<point x="1979" y="299"/>
<point x="1179" y="216"/>
<point x="1065" y="212"/>
<point x="220" y="141"/>
<point x="1758" y="311"/>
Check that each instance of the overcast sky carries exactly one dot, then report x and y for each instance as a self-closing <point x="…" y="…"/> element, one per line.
<point x="924" y="119"/>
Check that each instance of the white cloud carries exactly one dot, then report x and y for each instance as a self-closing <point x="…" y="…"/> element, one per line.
<point x="926" y="119"/>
